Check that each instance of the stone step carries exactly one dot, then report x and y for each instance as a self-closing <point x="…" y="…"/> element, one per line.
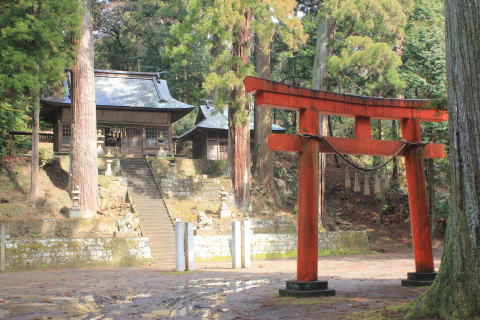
<point x="167" y="245"/>
<point x="154" y="209"/>
<point x="154" y="230"/>
<point x="146" y="194"/>
<point x="167" y="236"/>
<point x="153" y="206"/>
<point x="143" y="188"/>
<point x="161" y="236"/>
<point x="153" y="216"/>
<point x="154" y="219"/>
<point x="148" y="201"/>
<point x="142" y="182"/>
<point x="162" y="231"/>
<point x="160" y="252"/>
<point x="158" y="241"/>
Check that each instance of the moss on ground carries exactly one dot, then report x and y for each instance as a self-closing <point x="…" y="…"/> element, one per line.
<point x="385" y="313"/>
<point x="320" y="301"/>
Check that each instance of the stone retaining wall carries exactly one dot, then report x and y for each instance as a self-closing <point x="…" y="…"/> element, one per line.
<point x="281" y="245"/>
<point x="34" y="254"/>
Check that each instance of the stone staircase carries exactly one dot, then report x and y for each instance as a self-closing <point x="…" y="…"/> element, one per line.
<point x="155" y="221"/>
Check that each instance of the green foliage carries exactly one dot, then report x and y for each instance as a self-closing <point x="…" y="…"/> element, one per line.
<point x="135" y="36"/>
<point x="46" y="156"/>
<point x="10" y="120"/>
<point x="35" y="49"/>
<point x="295" y="67"/>
<point x="217" y="26"/>
<point x="185" y="123"/>
<point x="366" y="67"/>
<point x="365" y="58"/>
<point x="424" y="70"/>
<point x="423" y="56"/>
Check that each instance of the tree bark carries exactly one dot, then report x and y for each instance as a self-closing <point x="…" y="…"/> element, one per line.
<point x="455" y="292"/>
<point x="262" y="156"/>
<point x="34" y="172"/>
<point x="239" y="120"/>
<point x="84" y="171"/>
<point x="318" y="75"/>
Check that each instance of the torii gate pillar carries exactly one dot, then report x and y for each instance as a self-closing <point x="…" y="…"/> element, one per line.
<point x="422" y="244"/>
<point x="307" y="283"/>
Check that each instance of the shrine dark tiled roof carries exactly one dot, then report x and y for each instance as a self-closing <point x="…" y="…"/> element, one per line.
<point x="218" y="119"/>
<point x="129" y="89"/>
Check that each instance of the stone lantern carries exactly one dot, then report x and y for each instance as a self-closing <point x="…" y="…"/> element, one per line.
<point x="172" y="163"/>
<point x="75" y="211"/>
<point x="109" y="161"/>
<point x="100" y="142"/>
<point x="224" y="210"/>
<point x="161" y="146"/>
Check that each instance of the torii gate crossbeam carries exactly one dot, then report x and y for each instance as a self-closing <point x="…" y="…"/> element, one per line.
<point x="310" y="103"/>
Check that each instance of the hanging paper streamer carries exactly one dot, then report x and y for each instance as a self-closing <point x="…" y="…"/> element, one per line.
<point x="348" y="183"/>
<point x="356" y="187"/>
<point x="387" y="181"/>
<point x="366" y="188"/>
<point x="378" y="188"/>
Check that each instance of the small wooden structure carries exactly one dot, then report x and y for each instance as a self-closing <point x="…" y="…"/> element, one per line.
<point x="309" y="144"/>
<point x="135" y="112"/>
<point x="209" y="136"/>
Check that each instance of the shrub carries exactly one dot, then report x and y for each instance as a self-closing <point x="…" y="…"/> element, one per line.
<point x="46" y="156"/>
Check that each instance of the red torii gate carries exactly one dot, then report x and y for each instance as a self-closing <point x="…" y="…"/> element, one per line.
<point x="310" y="103"/>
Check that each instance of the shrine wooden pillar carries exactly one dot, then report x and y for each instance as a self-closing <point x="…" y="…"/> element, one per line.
<point x="307" y="247"/>
<point x="307" y="283"/>
<point x="417" y="199"/>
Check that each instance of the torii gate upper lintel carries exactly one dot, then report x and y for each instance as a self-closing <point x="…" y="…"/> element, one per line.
<point x="310" y="103"/>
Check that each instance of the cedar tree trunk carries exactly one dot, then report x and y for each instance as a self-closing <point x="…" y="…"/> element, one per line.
<point x="34" y="172"/>
<point x="239" y="120"/>
<point x="262" y="156"/>
<point x="455" y="294"/>
<point x="84" y="171"/>
<point x="318" y="75"/>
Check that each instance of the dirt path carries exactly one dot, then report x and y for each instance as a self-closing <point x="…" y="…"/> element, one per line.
<point x="214" y="292"/>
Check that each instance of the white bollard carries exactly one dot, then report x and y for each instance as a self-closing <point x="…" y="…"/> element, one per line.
<point x="3" y="236"/>
<point x="236" y="245"/>
<point x="246" y="244"/>
<point x="179" y="246"/>
<point x="189" y="250"/>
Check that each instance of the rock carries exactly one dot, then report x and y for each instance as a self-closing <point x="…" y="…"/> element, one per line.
<point x="203" y="220"/>
<point x="128" y="223"/>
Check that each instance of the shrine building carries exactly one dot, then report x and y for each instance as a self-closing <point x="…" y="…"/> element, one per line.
<point x="209" y="135"/>
<point x="135" y="111"/>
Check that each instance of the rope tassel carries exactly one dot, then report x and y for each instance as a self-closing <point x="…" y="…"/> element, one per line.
<point x="366" y="187"/>
<point x="348" y="183"/>
<point x="378" y="188"/>
<point x="356" y="187"/>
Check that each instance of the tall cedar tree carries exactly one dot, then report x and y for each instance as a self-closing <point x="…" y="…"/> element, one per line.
<point x="35" y="49"/>
<point x="228" y="26"/>
<point x="456" y="291"/>
<point x="319" y="73"/>
<point x="262" y="156"/>
<point x="84" y="172"/>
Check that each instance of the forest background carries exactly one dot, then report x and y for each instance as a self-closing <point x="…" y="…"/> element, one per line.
<point x="387" y="48"/>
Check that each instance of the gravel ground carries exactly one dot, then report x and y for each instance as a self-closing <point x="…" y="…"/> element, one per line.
<point x="215" y="291"/>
